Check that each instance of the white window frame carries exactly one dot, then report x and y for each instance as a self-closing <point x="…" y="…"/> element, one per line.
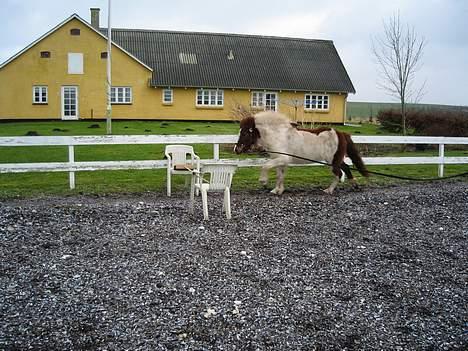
<point x="119" y="95"/>
<point x="270" y="106"/>
<point x="209" y="98"/>
<point x="75" y="63"/>
<point x="43" y="93"/>
<point x="167" y="93"/>
<point x="259" y="100"/>
<point x="316" y="102"/>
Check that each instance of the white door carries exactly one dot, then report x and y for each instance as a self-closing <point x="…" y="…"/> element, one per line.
<point x="70" y="102"/>
<point x="271" y="101"/>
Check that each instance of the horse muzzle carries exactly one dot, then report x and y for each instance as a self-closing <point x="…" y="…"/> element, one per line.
<point x="239" y="148"/>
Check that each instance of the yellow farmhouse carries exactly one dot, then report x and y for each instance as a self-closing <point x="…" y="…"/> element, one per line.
<point x="171" y="75"/>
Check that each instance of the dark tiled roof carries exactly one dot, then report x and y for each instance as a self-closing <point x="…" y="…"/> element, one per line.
<point x="236" y="61"/>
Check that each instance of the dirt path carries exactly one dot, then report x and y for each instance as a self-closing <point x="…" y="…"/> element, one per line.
<point x="384" y="268"/>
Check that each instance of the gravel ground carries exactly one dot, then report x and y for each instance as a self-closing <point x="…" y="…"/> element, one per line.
<point x="384" y="268"/>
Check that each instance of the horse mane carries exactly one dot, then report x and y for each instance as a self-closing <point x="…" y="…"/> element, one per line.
<point x="272" y="119"/>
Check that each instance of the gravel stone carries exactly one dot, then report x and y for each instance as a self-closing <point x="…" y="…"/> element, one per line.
<point x="383" y="268"/>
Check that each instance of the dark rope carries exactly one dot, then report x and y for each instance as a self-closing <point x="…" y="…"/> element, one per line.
<point x="464" y="174"/>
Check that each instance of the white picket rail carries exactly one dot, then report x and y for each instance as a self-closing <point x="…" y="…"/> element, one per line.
<point x="73" y="166"/>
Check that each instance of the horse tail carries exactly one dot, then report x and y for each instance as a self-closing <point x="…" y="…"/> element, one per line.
<point x="353" y="154"/>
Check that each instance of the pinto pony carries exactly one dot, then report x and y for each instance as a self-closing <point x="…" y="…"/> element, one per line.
<point x="272" y="131"/>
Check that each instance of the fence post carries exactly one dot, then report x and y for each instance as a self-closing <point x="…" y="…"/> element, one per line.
<point x="216" y="151"/>
<point x="441" y="160"/>
<point x="71" y="161"/>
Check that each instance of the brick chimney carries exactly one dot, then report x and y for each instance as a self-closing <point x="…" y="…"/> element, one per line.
<point x="95" y="17"/>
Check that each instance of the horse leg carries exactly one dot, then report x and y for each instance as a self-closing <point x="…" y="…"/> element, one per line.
<point x="338" y="173"/>
<point x="279" y="189"/>
<point x="349" y="175"/>
<point x="276" y="162"/>
<point x="332" y="186"/>
<point x="347" y="171"/>
<point x="264" y="175"/>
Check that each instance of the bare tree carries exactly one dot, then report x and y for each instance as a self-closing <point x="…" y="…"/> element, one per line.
<point x="399" y="52"/>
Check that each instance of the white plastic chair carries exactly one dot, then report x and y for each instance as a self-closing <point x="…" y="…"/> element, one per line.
<point x="181" y="159"/>
<point x="220" y="179"/>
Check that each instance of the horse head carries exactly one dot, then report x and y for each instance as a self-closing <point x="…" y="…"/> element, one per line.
<point x="248" y="135"/>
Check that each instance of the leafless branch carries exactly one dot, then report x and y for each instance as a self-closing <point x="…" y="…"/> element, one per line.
<point x="239" y="111"/>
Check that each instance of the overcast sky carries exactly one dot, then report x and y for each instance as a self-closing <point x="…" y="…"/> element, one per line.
<point x="349" y="23"/>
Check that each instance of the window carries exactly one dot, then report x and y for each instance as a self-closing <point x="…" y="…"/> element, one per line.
<point x="210" y="97"/>
<point x="271" y="101"/>
<point x="168" y="96"/>
<point x="75" y="31"/>
<point x="104" y="54"/>
<point x="121" y="95"/>
<point x="45" y="54"/>
<point x="39" y="94"/>
<point x="75" y="63"/>
<point x="316" y="102"/>
<point x="264" y="100"/>
<point x="257" y="99"/>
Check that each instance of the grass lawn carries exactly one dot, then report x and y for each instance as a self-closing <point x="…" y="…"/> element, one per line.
<point x="105" y="182"/>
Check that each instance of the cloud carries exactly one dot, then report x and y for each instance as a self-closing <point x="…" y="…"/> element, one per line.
<point x="301" y="25"/>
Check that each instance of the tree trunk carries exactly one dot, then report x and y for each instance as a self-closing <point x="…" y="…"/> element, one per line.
<point x="403" y="116"/>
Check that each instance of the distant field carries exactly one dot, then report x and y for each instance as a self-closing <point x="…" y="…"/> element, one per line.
<point x="364" y="110"/>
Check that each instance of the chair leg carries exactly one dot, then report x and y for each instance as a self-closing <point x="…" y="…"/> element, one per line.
<point x="192" y="191"/>
<point x="199" y="180"/>
<point x="205" y="203"/>
<point x="168" y="183"/>
<point x="227" y="203"/>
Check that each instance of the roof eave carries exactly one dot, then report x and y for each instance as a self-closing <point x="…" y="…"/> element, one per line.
<point x="153" y="85"/>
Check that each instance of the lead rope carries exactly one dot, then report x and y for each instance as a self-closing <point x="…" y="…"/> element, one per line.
<point x="464" y="174"/>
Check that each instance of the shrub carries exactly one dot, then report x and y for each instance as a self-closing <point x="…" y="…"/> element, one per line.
<point x="442" y="123"/>
<point x="390" y="120"/>
<point x="427" y="122"/>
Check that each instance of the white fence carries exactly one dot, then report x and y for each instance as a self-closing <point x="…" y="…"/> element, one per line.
<point x="73" y="166"/>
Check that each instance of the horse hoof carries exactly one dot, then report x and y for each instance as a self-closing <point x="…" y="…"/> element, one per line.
<point x="276" y="191"/>
<point x="328" y="191"/>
